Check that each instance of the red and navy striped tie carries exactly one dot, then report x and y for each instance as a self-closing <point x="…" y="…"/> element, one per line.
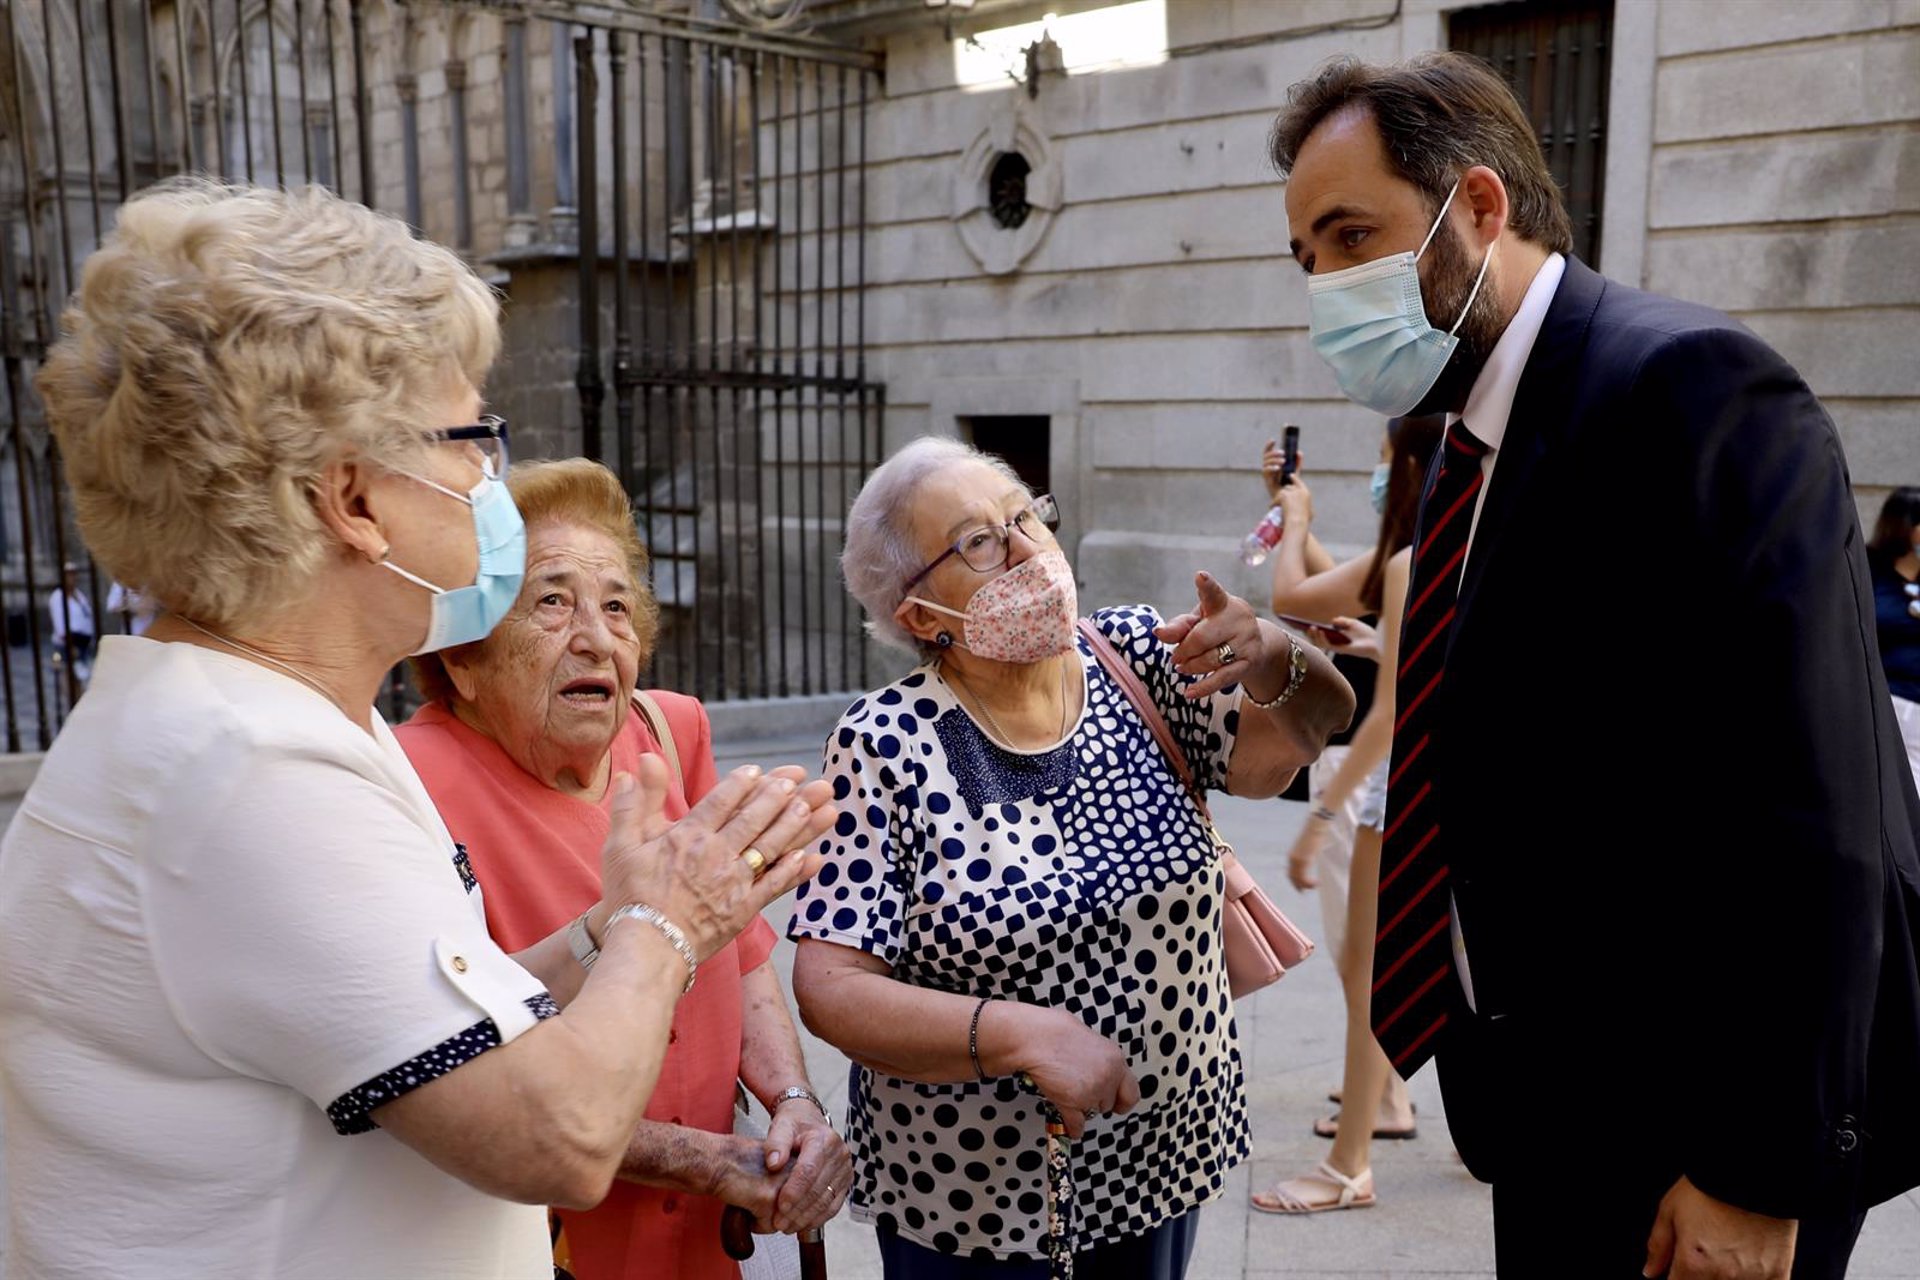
<point x="1413" y="953"/>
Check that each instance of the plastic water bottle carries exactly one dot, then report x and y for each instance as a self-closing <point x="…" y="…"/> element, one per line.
<point x="1265" y="537"/>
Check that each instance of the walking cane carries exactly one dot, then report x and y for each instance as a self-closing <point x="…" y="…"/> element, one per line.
<point x="736" y="1237"/>
<point x="813" y="1255"/>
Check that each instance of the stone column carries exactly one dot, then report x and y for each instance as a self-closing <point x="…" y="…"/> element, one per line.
<point x="320" y="130"/>
<point x="409" y="88"/>
<point x="563" y="219"/>
<point x="462" y="174"/>
<point x="520" y="220"/>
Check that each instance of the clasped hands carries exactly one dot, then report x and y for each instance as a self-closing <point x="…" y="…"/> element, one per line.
<point x="793" y="1180"/>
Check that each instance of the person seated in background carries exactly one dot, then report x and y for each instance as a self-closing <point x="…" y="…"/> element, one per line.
<point x="517" y="744"/>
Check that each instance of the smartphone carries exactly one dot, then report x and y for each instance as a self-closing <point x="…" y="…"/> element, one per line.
<point x="1289" y="452"/>
<point x="1333" y="634"/>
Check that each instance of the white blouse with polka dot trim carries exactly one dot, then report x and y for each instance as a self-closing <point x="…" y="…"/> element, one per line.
<point x="1079" y="877"/>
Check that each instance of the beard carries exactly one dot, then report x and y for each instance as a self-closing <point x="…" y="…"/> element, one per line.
<point x="1445" y="287"/>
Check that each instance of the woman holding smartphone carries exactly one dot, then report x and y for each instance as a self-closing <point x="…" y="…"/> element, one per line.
<point x="1348" y="785"/>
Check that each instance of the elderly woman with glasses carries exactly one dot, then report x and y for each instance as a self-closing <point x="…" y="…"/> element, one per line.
<point x="1019" y="919"/>
<point x="251" y="1021"/>
<point x="518" y="744"/>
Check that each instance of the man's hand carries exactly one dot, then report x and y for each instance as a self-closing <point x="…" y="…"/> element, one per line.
<point x="802" y="1147"/>
<point x="1696" y="1237"/>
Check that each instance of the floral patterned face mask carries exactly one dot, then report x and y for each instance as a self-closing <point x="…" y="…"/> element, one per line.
<point x="1024" y="615"/>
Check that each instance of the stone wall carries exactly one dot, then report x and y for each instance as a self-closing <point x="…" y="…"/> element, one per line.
<point x="1765" y="166"/>
<point x="1784" y="187"/>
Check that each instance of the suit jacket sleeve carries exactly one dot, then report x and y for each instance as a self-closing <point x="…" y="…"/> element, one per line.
<point x="1780" y="883"/>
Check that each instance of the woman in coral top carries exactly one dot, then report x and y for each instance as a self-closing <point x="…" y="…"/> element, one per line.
<point x="516" y="745"/>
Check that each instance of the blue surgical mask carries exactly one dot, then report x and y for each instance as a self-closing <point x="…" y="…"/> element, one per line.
<point x="1377" y="487"/>
<point x="1370" y="324"/>
<point x="461" y="615"/>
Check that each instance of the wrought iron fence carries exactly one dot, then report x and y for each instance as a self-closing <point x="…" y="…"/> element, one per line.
<point x="743" y="416"/>
<point x="710" y="180"/>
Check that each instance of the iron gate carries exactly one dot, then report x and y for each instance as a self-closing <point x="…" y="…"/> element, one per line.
<point x="1556" y="56"/>
<point x="694" y="191"/>
<point x="743" y="417"/>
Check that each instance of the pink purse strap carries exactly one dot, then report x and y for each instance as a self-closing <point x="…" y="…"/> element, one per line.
<point x="1123" y="675"/>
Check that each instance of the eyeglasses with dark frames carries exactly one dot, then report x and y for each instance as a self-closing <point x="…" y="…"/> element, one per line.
<point x="487" y="438"/>
<point x="985" y="548"/>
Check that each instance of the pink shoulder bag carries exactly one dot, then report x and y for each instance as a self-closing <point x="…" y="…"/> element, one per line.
<point x="1261" y="943"/>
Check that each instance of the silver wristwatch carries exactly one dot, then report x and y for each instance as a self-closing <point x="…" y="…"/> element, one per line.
<point x="581" y="942"/>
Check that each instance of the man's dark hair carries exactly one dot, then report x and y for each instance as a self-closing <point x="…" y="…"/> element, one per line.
<point x="1438" y="114"/>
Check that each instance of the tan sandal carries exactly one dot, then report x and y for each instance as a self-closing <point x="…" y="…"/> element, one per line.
<point x="1355" y="1193"/>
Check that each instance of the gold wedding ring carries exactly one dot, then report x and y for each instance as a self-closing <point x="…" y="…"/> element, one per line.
<point x="756" y="862"/>
<point x="1226" y="655"/>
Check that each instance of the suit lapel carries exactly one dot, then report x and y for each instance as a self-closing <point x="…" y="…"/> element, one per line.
<point x="1542" y="404"/>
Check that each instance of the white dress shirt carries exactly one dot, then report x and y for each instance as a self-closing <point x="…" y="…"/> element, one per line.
<point x="1491" y="399"/>
<point x="1488" y="406"/>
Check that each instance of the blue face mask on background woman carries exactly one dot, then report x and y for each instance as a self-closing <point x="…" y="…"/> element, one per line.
<point x="1377" y="487"/>
<point x="1370" y="324"/>
<point x="465" y="614"/>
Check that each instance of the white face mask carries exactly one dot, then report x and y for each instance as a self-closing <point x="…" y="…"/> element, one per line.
<point x="1370" y="324"/>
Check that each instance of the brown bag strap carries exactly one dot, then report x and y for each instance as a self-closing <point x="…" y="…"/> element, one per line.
<point x="657" y="721"/>
<point x="1123" y="675"/>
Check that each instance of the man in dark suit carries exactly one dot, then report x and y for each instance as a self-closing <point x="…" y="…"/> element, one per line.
<point x="1649" y="889"/>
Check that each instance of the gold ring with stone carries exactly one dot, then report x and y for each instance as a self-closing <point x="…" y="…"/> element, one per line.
<point x="756" y="862"/>
<point x="1226" y="655"/>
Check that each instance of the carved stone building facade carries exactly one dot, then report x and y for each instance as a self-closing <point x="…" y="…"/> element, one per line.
<point x="1150" y="336"/>
<point x="706" y="343"/>
<point x="1049" y="227"/>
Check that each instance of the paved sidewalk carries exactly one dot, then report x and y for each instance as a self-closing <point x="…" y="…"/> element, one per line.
<point x="1433" y="1219"/>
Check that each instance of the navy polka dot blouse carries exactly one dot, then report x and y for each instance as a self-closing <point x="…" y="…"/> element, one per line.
<point x="1079" y="877"/>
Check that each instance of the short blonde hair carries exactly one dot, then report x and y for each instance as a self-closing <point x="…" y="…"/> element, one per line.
<point x="226" y="344"/>
<point x="576" y="491"/>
